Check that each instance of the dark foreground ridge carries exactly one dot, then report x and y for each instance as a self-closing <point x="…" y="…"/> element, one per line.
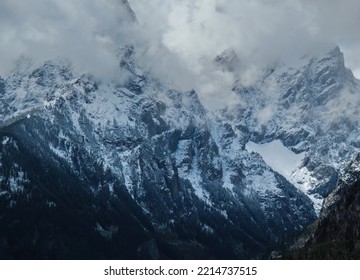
<point x="337" y="233"/>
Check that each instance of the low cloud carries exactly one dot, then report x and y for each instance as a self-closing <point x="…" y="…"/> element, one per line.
<point x="85" y="32"/>
<point x="177" y="41"/>
<point x="259" y="31"/>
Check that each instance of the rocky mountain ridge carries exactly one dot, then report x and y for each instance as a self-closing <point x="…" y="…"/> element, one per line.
<point x="155" y="173"/>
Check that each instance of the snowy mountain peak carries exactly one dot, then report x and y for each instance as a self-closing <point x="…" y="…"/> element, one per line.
<point x="331" y="66"/>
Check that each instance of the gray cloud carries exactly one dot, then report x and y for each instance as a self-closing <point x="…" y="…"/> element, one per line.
<point x="260" y="31"/>
<point x="177" y="40"/>
<point x="86" y="32"/>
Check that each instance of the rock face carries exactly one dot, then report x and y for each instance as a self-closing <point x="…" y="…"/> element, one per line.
<point x="310" y="107"/>
<point x="339" y="218"/>
<point x="136" y="170"/>
<point x="337" y="232"/>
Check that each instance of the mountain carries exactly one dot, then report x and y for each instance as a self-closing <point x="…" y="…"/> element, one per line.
<point x="132" y="170"/>
<point x="313" y="109"/>
<point x="336" y="233"/>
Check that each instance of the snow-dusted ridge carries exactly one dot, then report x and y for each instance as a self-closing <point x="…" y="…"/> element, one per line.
<point x="257" y="171"/>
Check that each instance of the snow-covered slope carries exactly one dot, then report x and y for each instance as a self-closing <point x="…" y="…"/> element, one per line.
<point x="190" y="175"/>
<point x="311" y="107"/>
<point x="278" y="157"/>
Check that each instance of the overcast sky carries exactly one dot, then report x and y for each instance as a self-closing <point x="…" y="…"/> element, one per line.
<point x="258" y="30"/>
<point x="177" y="39"/>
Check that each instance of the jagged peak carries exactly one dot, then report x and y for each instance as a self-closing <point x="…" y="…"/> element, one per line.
<point x="23" y="65"/>
<point x="331" y="64"/>
<point x="58" y="67"/>
<point x="57" y="64"/>
<point x="130" y="11"/>
<point x="334" y="56"/>
<point x="228" y="60"/>
<point x="321" y="67"/>
<point x="335" y="51"/>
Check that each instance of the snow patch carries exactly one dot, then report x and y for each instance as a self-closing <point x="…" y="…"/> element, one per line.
<point x="5" y="140"/>
<point x="60" y="153"/>
<point x="289" y="164"/>
<point x="277" y="156"/>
